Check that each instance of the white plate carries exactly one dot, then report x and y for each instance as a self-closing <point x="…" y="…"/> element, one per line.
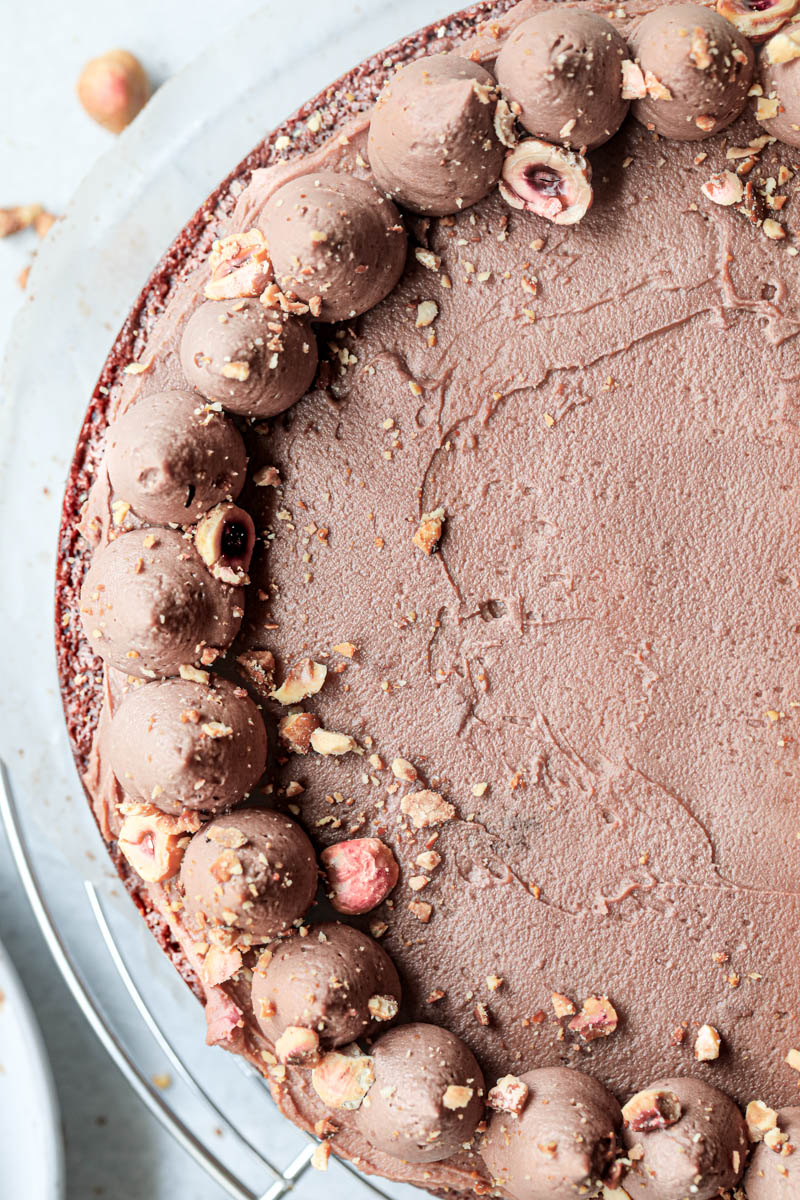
<point x="31" y="1158"/>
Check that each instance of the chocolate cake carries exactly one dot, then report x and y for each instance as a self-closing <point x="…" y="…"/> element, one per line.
<point x="428" y="610"/>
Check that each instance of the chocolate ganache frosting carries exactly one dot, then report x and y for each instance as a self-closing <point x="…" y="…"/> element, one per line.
<point x="511" y="588"/>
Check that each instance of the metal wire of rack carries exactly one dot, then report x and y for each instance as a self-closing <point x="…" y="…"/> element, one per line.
<point x="276" y="1180"/>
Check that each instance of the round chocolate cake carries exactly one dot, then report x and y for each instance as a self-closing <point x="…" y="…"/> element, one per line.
<point x="428" y="608"/>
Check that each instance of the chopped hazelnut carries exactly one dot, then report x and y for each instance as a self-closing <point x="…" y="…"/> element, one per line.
<point x="154" y="843"/>
<point x="240" y="266"/>
<point x="224" y="539"/>
<point x="326" y="742"/>
<point x="383" y="1008"/>
<point x="655" y="1108"/>
<point x="304" y="679"/>
<point x="426" y="808"/>
<point x="597" y="1018"/>
<point x="297" y="1044"/>
<point x="403" y="769"/>
<point x="342" y="1080"/>
<point x="760" y="1119"/>
<point x="456" y="1096"/>
<point x="707" y="1044"/>
<point x="508" y="1095"/>
<point x="562" y="1005"/>
<point x="429" y="531"/>
<point x="295" y="731"/>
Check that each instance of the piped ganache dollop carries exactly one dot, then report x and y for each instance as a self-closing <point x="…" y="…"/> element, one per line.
<point x="427" y="1097"/>
<point x="149" y="605"/>
<point x="254" y="359"/>
<point x="774" y="1170"/>
<point x="565" y="72"/>
<point x="697" y="70"/>
<point x="180" y="744"/>
<point x="172" y="458"/>
<point x="335" y="242"/>
<point x="558" y="1139"/>
<point x="334" y="980"/>
<point x="778" y="109"/>
<point x="253" y="870"/>
<point x="684" y="1138"/>
<point x="432" y="141"/>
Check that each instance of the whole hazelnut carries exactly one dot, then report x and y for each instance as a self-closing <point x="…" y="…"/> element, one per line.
<point x="113" y="88"/>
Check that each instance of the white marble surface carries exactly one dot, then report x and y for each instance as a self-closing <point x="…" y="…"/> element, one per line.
<point x="47" y="146"/>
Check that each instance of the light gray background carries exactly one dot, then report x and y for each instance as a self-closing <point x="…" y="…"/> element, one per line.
<point x="47" y="145"/>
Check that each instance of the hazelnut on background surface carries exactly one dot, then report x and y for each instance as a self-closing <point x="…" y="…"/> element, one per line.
<point x="113" y="88"/>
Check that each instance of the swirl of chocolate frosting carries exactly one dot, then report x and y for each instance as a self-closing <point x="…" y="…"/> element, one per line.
<point x="336" y="980"/>
<point x="180" y="744"/>
<point x="565" y="71"/>
<point x="778" y="109"/>
<point x="774" y="1171"/>
<point x="693" y="1143"/>
<point x="432" y="142"/>
<point x="172" y="458"/>
<point x="256" y="361"/>
<point x="563" y="1141"/>
<point x="149" y="605"/>
<point x="252" y="870"/>
<point x="697" y="70"/>
<point x="428" y="1094"/>
<point x="335" y="242"/>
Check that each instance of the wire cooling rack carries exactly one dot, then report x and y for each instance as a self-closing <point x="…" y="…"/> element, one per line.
<point x="246" y="1171"/>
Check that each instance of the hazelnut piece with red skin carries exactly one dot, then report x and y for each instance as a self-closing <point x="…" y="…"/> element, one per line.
<point x="154" y="843"/>
<point x="225" y="539"/>
<point x="547" y="180"/>
<point x="758" y="19"/>
<point x="361" y="873"/>
<point x="113" y="88"/>
<point x="692" y="1140"/>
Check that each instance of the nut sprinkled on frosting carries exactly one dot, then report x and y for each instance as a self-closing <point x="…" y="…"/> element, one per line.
<point x="240" y="266"/>
<point x="224" y="539"/>
<point x="546" y="180"/>
<point x="302" y="680"/>
<point x="361" y="873"/>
